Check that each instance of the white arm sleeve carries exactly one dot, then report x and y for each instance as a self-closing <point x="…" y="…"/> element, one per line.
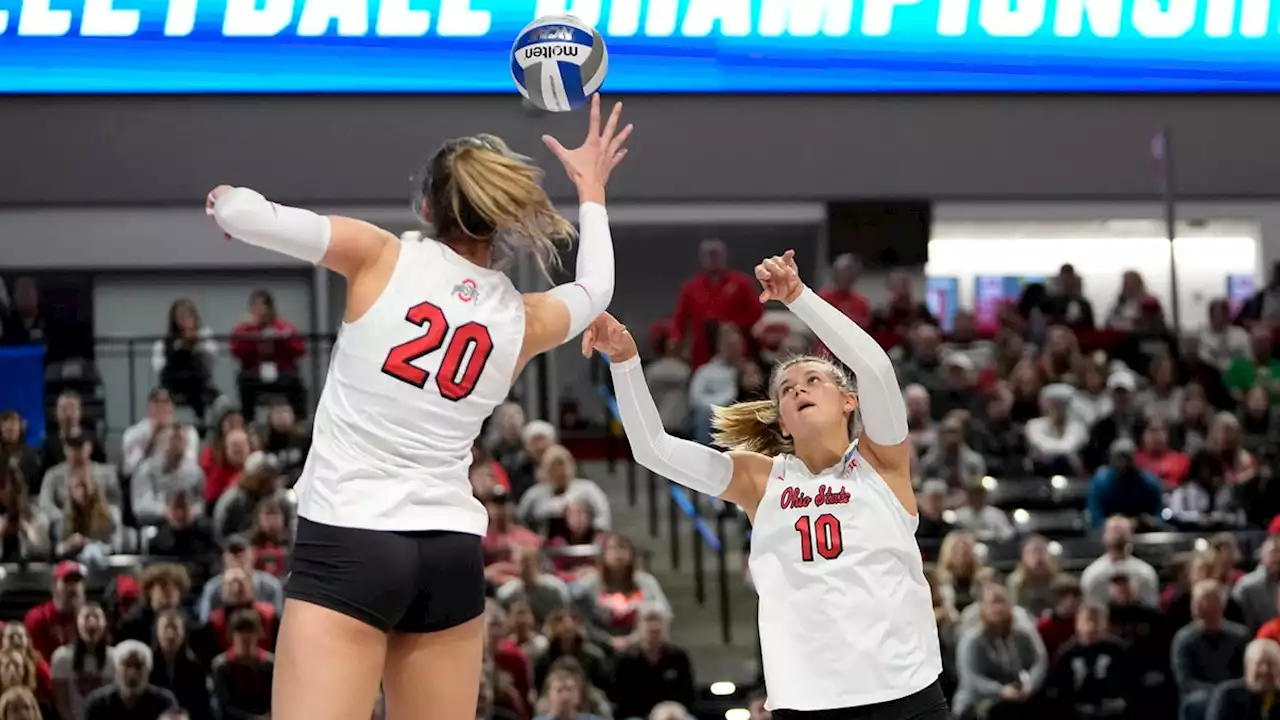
<point x="592" y="288"/>
<point x="250" y="218"/>
<point x="884" y="413"/>
<point x="695" y="466"/>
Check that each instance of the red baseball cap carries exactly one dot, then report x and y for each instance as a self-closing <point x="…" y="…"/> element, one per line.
<point x="1273" y="528"/>
<point x="69" y="568"/>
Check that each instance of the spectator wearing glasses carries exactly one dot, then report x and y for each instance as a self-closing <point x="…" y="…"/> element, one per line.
<point x="131" y="696"/>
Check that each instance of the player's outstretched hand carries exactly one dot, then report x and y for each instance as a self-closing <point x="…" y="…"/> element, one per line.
<point x="780" y="278"/>
<point x="590" y="164"/>
<point x="212" y="198"/>
<point x="607" y="335"/>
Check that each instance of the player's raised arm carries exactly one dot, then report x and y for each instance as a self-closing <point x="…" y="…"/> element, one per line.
<point x="341" y="244"/>
<point x="884" y="414"/>
<point x="734" y="476"/>
<point x="563" y="312"/>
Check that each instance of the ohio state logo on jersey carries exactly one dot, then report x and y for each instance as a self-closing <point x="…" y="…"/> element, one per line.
<point x="467" y="290"/>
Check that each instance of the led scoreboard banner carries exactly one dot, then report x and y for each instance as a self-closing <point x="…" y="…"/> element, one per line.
<point x="655" y="46"/>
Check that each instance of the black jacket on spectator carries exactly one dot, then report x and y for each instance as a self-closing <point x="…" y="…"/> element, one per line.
<point x="193" y="542"/>
<point x="243" y="689"/>
<point x="593" y="660"/>
<point x="1003" y="446"/>
<point x="140" y="625"/>
<point x="933" y="528"/>
<point x="1148" y="634"/>
<point x="51" y="449"/>
<point x="187" y="679"/>
<point x="1232" y="700"/>
<point x="1194" y="370"/>
<point x="640" y="683"/>
<point x="1087" y="676"/>
<point x="105" y="704"/>
<point x="1105" y="432"/>
<point x="29" y="464"/>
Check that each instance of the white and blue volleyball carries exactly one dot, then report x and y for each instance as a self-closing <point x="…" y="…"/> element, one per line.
<point x="559" y="62"/>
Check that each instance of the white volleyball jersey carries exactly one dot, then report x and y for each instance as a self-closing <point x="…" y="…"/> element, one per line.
<point x="410" y="383"/>
<point x="846" y="617"/>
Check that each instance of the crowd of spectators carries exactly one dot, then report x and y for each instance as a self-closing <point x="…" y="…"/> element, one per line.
<point x="1152" y="430"/>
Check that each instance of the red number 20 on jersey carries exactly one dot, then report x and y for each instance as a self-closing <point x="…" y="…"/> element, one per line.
<point x="455" y="380"/>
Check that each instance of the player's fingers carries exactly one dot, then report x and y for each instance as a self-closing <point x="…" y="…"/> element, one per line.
<point x="615" y="145"/>
<point x="617" y="158"/>
<point x="555" y="147"/>
<point x="611" y="127"/>
<point x="593" y="128"/>
<point x="762" y="273"/>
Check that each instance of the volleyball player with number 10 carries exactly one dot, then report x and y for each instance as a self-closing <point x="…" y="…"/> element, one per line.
<point x="822" y="470"/>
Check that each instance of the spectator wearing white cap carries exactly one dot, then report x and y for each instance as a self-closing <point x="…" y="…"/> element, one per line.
<point x="958" y="392"/>
<point x="538" y="436"/>
<point x="1122" y="422"/>
<point x="1056" y="439"/>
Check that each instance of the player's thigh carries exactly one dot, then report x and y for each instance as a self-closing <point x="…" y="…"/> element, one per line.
<point x="347" y="589"/>
<point x="328" y="665"/>
<point x="435" y="676"/>
<point x="435" y="653"/>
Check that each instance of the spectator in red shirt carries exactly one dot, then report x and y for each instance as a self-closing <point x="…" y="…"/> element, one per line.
<point x="841" y="293"/>
<point x="503" y="537"/>
<point x="1058" y="625"/>
<point x="237" y="594"/>
<point x="1157" y="458"/>
<point x="52" y="623"/>
<point x="512" y="664"/>
<point x="903" y="311"/>
<point x="716" y="295"/>
<point x="268" y="349"/>
<point x="227" y="465"/>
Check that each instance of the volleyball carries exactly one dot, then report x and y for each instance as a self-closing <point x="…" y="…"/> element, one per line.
<point x="559" y="62"/>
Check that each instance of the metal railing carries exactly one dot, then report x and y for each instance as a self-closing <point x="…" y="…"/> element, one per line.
<point x="712" y="525"/>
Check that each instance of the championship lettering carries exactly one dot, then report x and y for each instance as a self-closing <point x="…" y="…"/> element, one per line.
<point x="914" y="21"/>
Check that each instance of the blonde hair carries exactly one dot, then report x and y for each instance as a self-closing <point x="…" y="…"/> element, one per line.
<point x="479" y="188"/>
<point x="755" y="427"/>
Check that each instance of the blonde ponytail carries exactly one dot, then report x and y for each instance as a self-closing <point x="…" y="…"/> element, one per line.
<point x="750" y="427"/>
<point x="505" y="190"/>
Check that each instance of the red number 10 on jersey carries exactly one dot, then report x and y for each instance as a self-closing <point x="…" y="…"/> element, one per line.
<point x="820" y="534"/>
<point x="455" y="381"/>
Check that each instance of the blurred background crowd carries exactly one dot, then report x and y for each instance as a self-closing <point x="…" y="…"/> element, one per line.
<point x="1097" y="488"/>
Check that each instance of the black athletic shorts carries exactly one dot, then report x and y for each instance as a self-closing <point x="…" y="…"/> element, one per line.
<point x="928" y="704"/>
<point x="413" y="582"/>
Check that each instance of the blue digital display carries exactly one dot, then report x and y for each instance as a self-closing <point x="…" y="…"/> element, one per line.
<point x="657" y="46"/>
